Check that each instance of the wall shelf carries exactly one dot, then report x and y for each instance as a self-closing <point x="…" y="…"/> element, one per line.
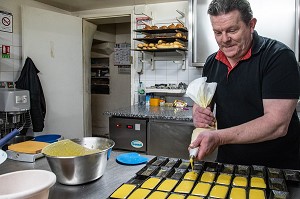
<point x="161" y="31"/>
<point x="159" y="90"/>
<point x="163" y="44"/>
<point x="156" y="39"/>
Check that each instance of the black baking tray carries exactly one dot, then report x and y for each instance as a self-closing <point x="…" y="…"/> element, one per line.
<point x="158" y="161"/>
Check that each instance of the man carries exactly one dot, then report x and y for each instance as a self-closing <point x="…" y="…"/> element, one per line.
<point x="257" y="92"/>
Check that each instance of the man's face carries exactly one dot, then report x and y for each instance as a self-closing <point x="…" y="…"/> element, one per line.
<point x="233" y="36"/>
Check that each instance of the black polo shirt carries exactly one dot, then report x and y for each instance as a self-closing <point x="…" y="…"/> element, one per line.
<point x="271" y="72"/>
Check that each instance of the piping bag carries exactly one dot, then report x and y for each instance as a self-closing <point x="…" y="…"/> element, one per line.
<point x="201" y="93"/>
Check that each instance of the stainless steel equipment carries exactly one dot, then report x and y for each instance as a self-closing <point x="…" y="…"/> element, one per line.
<point x="284" y="16"/>
<point x="76" y="170"/>
<point x="14" y="110"/>
<point x="169" y="138"/>
<point x="129" y="133"/>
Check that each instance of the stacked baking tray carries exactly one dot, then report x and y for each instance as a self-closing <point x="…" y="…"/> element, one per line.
<point x="169" y="178"/>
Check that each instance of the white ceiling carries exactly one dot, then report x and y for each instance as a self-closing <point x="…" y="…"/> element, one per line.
<point x="80" y="5"/>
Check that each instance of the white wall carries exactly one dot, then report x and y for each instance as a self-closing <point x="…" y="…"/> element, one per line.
<point x="10" y="68"/>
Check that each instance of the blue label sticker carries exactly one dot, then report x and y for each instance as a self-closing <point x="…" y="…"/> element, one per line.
<point x="137" y="144"/>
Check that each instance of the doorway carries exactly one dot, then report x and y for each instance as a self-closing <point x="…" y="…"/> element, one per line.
<point x="110" y="88"/>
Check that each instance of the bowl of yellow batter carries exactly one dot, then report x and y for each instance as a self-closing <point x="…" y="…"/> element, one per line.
<point x="78" y="161"/>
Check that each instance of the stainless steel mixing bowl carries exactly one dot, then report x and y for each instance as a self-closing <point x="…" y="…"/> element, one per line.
<point x="82" y="169"/>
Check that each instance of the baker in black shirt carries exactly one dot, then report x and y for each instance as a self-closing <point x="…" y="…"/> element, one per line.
<point x="256" y="96"/>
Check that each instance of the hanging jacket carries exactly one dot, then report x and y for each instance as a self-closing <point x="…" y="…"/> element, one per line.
<point x="29" y="80"/>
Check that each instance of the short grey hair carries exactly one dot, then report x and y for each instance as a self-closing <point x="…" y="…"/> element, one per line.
<point x="218" y="7"/>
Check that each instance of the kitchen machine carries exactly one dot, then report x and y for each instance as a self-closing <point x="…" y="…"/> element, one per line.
<point x="14" y="111"/>
<point x="129" y="133"/>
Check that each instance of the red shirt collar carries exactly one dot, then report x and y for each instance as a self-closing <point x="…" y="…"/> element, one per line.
<point x="222" y="58"/>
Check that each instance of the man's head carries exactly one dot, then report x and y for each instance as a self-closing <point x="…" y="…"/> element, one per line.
<point x="233" y="24"/>
<point x="219" y="7"/>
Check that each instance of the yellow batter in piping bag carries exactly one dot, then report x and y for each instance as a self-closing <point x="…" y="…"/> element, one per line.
<point x="201" y="93"/>
<point x="193" y="154"/>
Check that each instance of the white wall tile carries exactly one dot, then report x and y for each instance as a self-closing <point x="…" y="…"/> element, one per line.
<point x="160" y="65"/>
<point x="7" y="76"/>
<point x="10" y="67"/>
<point x="16" y="52"/>
<point x="6" y="38"/>
<point x="183" y="75"/>
<point x="150" y="74"/>
<point x="16" y="40"/>
<point x="172" y="65"/>
<point x="17" y="65"/>
<point x="147" y="66"/>
<point x="16" y="75"/>
<point x="161" y="75"/>
<point x="194" y="74"/>
<point x="172" y="75"/>
<point x="7" y="65"/>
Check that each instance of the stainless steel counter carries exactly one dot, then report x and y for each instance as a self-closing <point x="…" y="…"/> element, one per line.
<point x="153" y="112"/>
<point x="115" y="174"/>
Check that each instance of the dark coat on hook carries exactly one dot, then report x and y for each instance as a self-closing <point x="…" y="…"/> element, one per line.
<point x="29" y="80"/>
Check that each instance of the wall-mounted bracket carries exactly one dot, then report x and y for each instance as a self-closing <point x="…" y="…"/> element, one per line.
<point x="181" y="13"/>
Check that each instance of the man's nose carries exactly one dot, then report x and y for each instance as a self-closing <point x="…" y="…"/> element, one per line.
<point x="225" y="37"/>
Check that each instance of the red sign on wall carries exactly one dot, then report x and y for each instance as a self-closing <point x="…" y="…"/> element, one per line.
<point x="5" y="51"/>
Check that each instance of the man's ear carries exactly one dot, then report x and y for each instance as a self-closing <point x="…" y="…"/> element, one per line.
<point x="252" y="24"/>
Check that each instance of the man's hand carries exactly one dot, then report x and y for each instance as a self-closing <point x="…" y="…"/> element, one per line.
<point x="207" y="141"/>
<point x="203" y="117"/>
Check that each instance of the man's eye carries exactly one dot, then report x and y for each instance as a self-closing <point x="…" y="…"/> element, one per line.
<point x="218" y="33"/>
<point x="232" y="31"/>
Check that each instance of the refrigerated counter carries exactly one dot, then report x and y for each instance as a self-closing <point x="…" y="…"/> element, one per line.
<point x="129" y="133"/>
<point x="155" y="130"/>
<point x="153" y="136"/>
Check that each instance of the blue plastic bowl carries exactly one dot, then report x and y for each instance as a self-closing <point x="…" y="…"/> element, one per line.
<point x="49" y="138"/>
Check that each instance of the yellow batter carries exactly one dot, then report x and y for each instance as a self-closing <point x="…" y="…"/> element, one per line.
<point x="185" y="186"/>
<point x="256" y="194"/>
<point x="201" y="189"/>
<point x="237" y="193"/>
<point x="167" y="185"/>
<point x="176" y="196"/>
<point x="139" y="193"/>
<point x="190" y="175"/>
<point x="240" y="181"/>
<point x="150" y="183"/>
<point x="224" y="179"/>
<point x="192" y="163"/>
<point x="123" y="191"/>
<point x="258" y="182"/>
<point x="219" y="191"/>
<point x="65" y="148"/>
<point x="208" y="176"/>
<point x="158" y="194"/>
<point x="194" y="197"/>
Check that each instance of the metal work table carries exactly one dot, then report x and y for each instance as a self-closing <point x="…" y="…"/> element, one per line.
<point x="115" y="174"/>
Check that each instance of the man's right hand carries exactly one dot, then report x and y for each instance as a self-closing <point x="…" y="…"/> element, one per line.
<point x="203" y="117"/>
